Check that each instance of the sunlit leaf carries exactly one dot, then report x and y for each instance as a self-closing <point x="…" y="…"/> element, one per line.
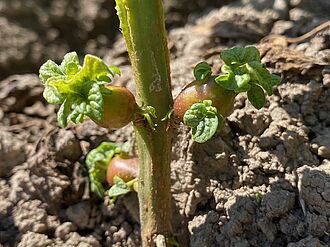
<point x="203" y="119"/>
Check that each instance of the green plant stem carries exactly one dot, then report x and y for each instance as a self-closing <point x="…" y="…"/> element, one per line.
<point x="143" y="27"/>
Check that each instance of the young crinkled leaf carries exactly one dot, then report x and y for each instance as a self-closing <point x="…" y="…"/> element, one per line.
<point x="240" y="55"/>
<point x="63" y="113"/>
<point x="94" y="69"/>
<point x="97" y="162"/>
<point x="203" y="119"/>
<point x="244" y="72"/>
<point x="70" y="64"/>
<point x="202" y="71"/>
<point x="52" y="95"/>
<point x="275" y="80"/>
<point x="78" y="88"/>
<point x="119" y="188"/>
<point x="234" y="82"/>
<point x="256" y="96"/>
<point x="49" y="69"/>
<point x="91" y="106"/>
<point x="261" y="76"/>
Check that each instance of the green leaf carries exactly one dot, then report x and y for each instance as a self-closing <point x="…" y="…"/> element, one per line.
<point x="96" y="177"/>
<point x="149" y="112"/>
<point x="93" y="69"/>
<point x="230" y="81"/>
<point x="104" y="79"/>
<point x="61" y="84"/>
<point x="242" y="82"/>
<point x="95" y="103"/>
<point x="63" y="113"/>
<point x="70" y="64"/>
<point x="242" y="68"/>
<point x="103" y="154"/>
<point x="203" y="119"/>
<point x="52" y="95"/>
<point x="275" y="80"/>
<point x="202" y="71"/>
<point x="84" y="87"/>
<point x="97" y="162"/>
<point x="77" y="110"/>
<point x="251" y="54"/>
<point x="226" y="69"/>
<point x="255" y="65"/>
<point x="72" y="69"/>
<point x="90" y="105"/>
<point x="258" y="196"/>
<point x="244" y="72"/>
<point x="256" y="96"/>
<point x="119" y="188"/>
<point x="240" y="55"/>
<point x="227" y="81"/>
<point x="262" y="77"/>
<point x="114" y="70"/>
<point x="49" y="69"/>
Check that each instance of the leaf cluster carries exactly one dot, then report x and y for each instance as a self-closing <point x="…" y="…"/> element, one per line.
<point x="78" y="89"/>
<point x="243" y="72"/>
<point x="97" y="162"/>
<point x="203" y="119"/>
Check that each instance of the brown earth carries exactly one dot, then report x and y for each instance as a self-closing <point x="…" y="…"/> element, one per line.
<point x="264" y="180"/>
<point x="32" y="31"/>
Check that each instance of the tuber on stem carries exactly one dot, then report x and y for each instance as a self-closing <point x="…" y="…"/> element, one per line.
<point x="127" y="168"/>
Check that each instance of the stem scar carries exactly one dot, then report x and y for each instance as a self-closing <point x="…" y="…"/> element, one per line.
<point x="156" y="85"/>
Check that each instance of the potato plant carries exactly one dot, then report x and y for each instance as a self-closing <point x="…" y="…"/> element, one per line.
<point x="85" y="91"/>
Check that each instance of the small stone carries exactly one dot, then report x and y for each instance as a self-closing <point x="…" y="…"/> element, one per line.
<point x="63" y="230"/>
<point x="278" y="203"/>
<point x="67" y="145"/>
<point x="324" y="152"/>
<point x="79" y="214"/>
<point x="326" y="80"/>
